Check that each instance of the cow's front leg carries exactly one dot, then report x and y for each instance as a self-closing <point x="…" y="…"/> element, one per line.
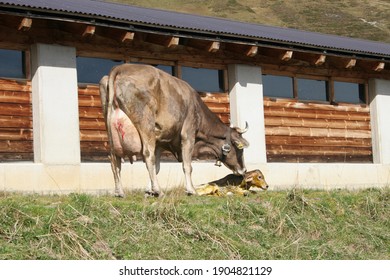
<point x="187" y="147"/>
<point x="116" y="166"/>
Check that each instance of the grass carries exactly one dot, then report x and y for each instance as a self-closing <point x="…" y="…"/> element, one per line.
<point x="296" y="224"/>
<point x="353" y="18"/>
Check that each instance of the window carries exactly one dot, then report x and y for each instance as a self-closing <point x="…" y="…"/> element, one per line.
<point x="315" y="90"/>
<point x="278" y="86"/>
<point x="12" y="64"/>
<point x="349" y="92"/>
<point x="203" y="79"/>
<point x="91" y="70"/>
<point x="166" y="68"/>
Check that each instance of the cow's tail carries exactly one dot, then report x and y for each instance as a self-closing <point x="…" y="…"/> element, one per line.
<point x="111" y="101"/>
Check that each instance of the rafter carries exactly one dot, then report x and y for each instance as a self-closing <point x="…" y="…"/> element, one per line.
<point x="379" y="67"/>
<point x="351" y="63"/>
<point x="252" y="51"/>
<point x="127" y="37"/>
<point x="172" y="42"/>
<point x="25" y="24"/>
<point x="213" y="47"/>
<point x="89" y="31"/>
<point x="287" y="56"/>
<point x="320" y="60"/>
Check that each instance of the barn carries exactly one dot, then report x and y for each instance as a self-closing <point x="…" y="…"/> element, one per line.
<point x="317" y="105"/>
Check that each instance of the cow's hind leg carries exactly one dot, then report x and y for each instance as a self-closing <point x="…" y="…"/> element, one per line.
<point x="116" y="166"/>
<point x="153" y="188"/>
<point x="149" y="191"/>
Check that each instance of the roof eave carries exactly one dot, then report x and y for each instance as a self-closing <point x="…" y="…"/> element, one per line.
<point x="185" y="32"/>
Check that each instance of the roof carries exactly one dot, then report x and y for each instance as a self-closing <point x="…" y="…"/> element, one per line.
<point x="207" y="26"/>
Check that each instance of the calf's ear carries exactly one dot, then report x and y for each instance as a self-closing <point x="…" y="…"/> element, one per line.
<point x="249" y="179"/>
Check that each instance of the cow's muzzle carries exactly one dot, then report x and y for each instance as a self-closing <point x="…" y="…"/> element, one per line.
<point x="240" y="171"/>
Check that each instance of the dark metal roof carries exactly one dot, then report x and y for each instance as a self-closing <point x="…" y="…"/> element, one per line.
<point x="180" y="22"/>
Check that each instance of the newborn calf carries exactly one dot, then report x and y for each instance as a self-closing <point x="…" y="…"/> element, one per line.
<point x="251" y="181"/>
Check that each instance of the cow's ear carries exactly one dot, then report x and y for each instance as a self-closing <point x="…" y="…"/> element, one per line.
<point x="241" y="144"/>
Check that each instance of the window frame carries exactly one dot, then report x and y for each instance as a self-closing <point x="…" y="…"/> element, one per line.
<point x="26" y="64"/>
<point x="176" y="68"/>
<point x="329" y="85"/>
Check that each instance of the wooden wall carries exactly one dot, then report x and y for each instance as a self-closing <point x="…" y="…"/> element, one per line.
<point x="295" y="131"/>
<point x="16" y="134"/>
<point x="306" y="132"/>
<point x="93" y="136"/>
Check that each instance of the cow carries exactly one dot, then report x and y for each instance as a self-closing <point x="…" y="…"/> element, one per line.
<point x="126" y="141"/>
<point x="170" y="115"/>
<point x="251" y="182"/>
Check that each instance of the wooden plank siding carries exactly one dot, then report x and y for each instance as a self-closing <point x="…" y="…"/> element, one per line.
<point x="93" y="136"/>
<point x="16" y="129"/>
<point x="307" y="132"/>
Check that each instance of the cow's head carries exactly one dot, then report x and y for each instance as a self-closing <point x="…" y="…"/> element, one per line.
<point x="233" y="150"/>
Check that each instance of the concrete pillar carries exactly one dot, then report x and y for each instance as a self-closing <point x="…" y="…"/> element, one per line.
<point x="380" y="120"/>
<point x="55" y="105"/>
<point x="246" y="104"/>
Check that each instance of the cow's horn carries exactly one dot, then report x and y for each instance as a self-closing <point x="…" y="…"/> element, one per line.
<point x="242" y="131"/>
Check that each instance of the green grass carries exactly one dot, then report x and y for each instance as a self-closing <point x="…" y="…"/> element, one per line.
<point x="366" y="19"/>
<point x="295" y="224"/>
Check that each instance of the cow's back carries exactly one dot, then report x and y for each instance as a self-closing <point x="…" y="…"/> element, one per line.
<point x="155" y="100"/>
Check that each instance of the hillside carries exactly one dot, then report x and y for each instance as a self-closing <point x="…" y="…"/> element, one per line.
<point x="365" y="19"/>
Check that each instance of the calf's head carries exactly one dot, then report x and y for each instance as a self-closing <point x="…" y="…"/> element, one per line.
<point x="254" y="181"/>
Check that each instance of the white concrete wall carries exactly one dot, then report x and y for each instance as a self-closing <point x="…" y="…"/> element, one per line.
<point x="55" y="105"/>
<point x="97" y="177"/>
<point x="246" y="105"/>
<point x="380" y="120"/>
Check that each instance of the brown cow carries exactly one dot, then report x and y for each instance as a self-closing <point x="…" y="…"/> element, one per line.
<point x="169" y="114"/>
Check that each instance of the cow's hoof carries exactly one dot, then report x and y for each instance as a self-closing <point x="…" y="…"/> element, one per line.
<point x="191" y="193"/>
<point x="120" y="195"/>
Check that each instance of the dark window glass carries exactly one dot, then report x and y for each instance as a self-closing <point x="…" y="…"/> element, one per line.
<point x="202" y="79"/>
<point x="12" y="64"/>
<point x="91" y="70"/>
<point x="278" y="86"/>
<point x="349" y="92"/>
<point x="166" y="68"/>
<point x="312" y="90"/>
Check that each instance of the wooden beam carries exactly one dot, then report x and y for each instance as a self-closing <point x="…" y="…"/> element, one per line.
<point x="172" y="42"/>
<point x="287" y="56"/>
<point x="320" y="60"/>
<point x="379" y="67"/>
<point x="252" y="51"/>
<point x="89" y="31"/>
<point x="25" y="24"/>
<point x="127" y="37"/>
<point x="213" y="47"/>
<point x="351" y="63"/>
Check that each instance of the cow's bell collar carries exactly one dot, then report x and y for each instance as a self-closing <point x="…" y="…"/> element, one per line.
<point x="226" y="149"/>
